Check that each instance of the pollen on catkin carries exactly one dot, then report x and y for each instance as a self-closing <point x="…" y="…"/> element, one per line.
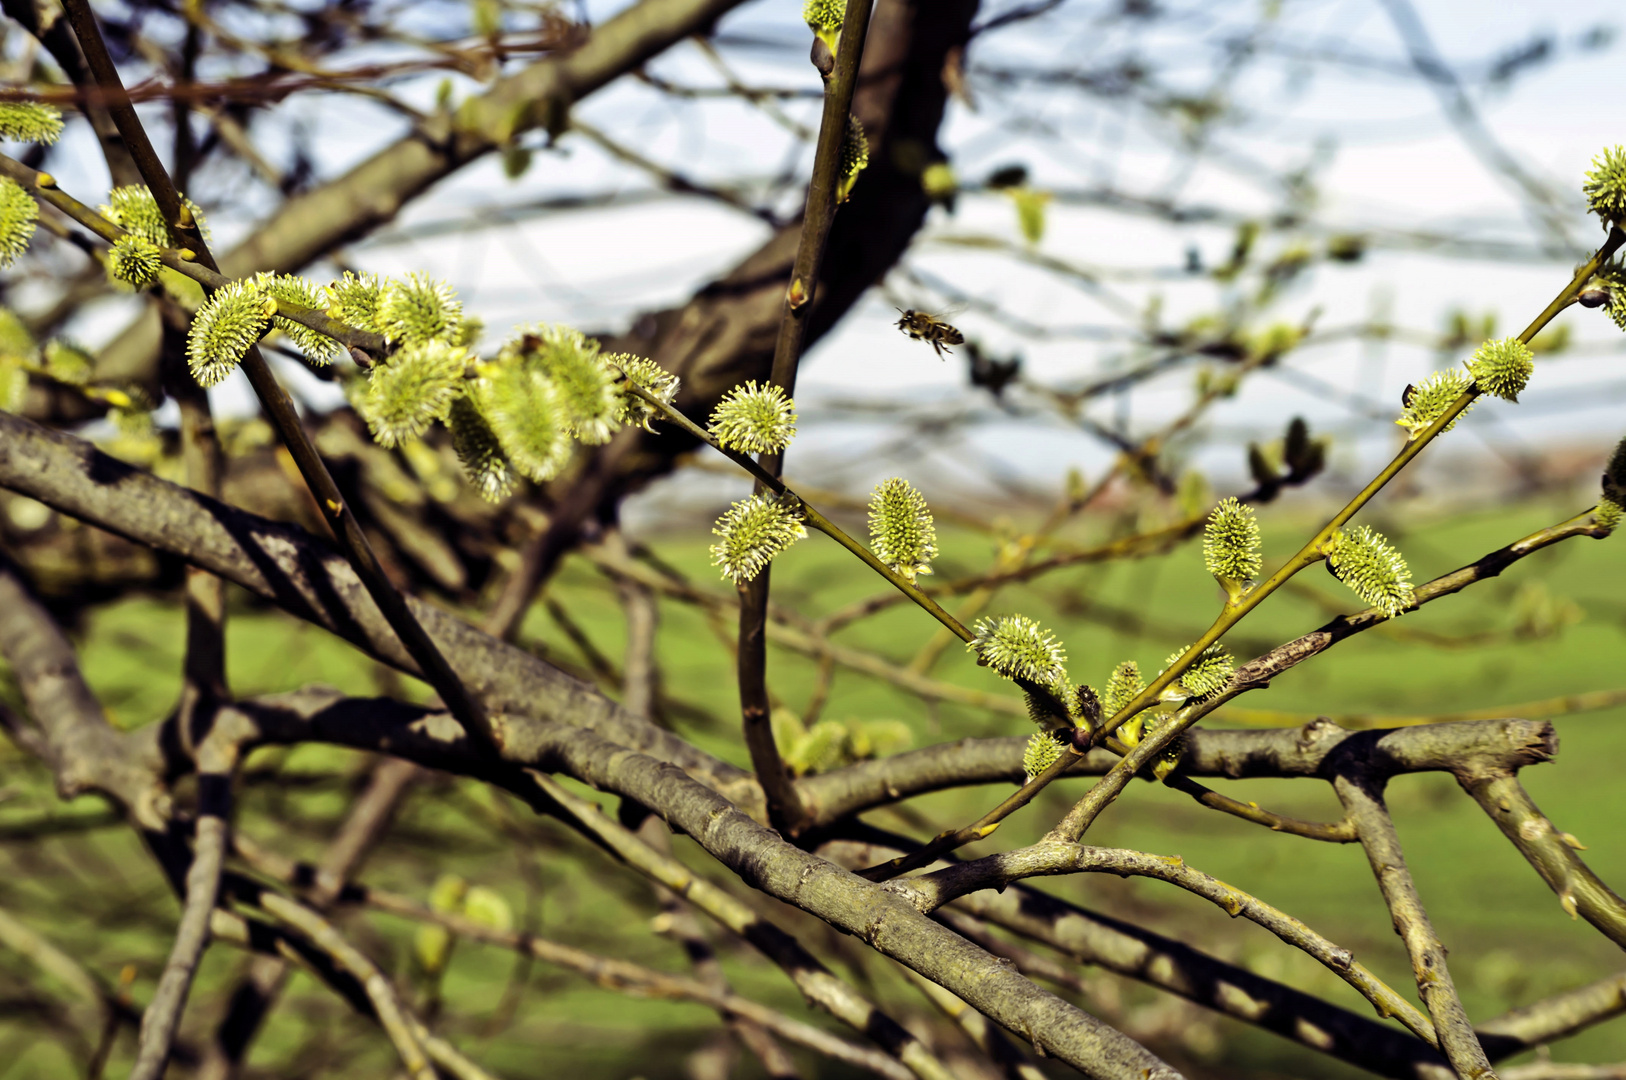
<point x="584" y="387"/>
<point x="754" y="419"/>
<point x="1019" y="648"/>
<point x="1427" y="401"/>
<point x="30" y="121"/>
<point x="418" y="308"/>
<point x="133" y="209"/>
<point x="18" y="213"/>
<point x="412" y="390"/>
<point x="824" y="17"/>
<point x="231" y="320"/>
<point x="854" y="157"/>
<point x="1607" y="515"/>
<point x="1605" y="185"/>
<point x="1373" y="569"/>
<point x="1502" y="368"/>
<point x="1124" y="685"/>
<point x="297" y="292"/>
<point x="1041" y="752"/>
<point x="521" y="406"/>
<point x="1231" y="547"/>
<point x="752" y="533"/>
<point x="1207" y="675"/>
<point x="355" y="300"/>
<point x="133" y="259"/>
<point x="901" y="532"/>
<point x="479" y="452"/>
<point x="647" y="376"/>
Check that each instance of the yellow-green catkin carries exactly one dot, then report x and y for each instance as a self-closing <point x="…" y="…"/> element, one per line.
<point x="133" y="260"/>
<point x="1605" y="185"/>
<point x="854" y="158"/>
<point x="1502" y="368"/>
<point x="752" y="533"/>
<point x="1209" y="674"/>
<point x="30" y="121"/>
<point x="1019" y="648"/>
<point x="412" y="390"/>
<point x="647" y="376"/>
<point x="18" y="214"/>
<point x="1428" y="400"/>
<point x="1041" y="752"/>
<point x="1374" y="570"/>
<point x="754" y="419"/>
<point x="824" y="18"/>
<point x="901" y="530"/>
<point x="1231" y="545"/>
<point x="229" y="322"/>
<point x="478" y="451"/>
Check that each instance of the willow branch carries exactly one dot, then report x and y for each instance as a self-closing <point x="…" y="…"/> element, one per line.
<point x="217" y="760"/>
<point x="1363" y="802"/>
<point x="932" y="891"/>
<point x="1553" y="853"/>
<point x="778" y="785"/>
<point x="812" y="978"/>
<point x="391" y="1014"/>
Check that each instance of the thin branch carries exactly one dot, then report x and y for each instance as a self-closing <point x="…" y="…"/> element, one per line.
<point x="1362" y="797"/>
<point x="932" y="891"/>
<point x="1553" y="853"/>
<point x="812" y="978"/>
<point x="778" y="784"/>
<point x="274" y="399"/>
<point x="391" y="1014"/>
<point x="217" y="760"/>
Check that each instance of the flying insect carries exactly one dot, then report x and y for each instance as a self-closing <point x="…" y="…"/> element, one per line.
<point x="924" y="326"/>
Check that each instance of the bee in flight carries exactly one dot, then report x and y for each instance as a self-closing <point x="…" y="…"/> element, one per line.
<point x="923" y="326"/>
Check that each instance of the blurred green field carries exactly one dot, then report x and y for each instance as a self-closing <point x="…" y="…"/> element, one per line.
<point x="1510" y="942"/>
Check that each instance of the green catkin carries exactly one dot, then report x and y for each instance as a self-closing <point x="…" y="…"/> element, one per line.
<point x="418" y="308"/>
<point x="521" y="406"/>
<point x="1042" y="751"/>
<point x="1374" y="570"/>
<point x="297" y="292"/>
<point x="1605" y="185"/>
<point x="413" y="390"/>
<point x="231" y="320"/>
<point x="1607" y="516"/>
<point x="1019" y="648"/>
<point x="18" y="214"/>
<point x="854" y="158"/>
<point x="1231" y="548"/>
<point x="67" y="363"/>
<point x="584" y="386"/>
<point x="647" y="376"/>
<point x="1427" y="401"/>
<point x="753" y="531"/>
<point x="901" y="530"/>
<point x="355" y="301"/>
<point x="30" y="121"/>
<point x="1502" y="368"/>
<point x="1208" y="674"/>
<point x="479" y="452"/>
<point x="754" y="419"/>
<point x="1123" y="686"/>
<point x="134" y="260"/>
<point x="133" y="209"/>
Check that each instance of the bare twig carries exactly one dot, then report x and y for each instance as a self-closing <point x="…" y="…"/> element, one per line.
<point x="932" y="891"/>
<point x="1362" y="797"/>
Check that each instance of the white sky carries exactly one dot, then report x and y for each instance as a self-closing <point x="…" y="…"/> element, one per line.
<point x="1393" y="159"/>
